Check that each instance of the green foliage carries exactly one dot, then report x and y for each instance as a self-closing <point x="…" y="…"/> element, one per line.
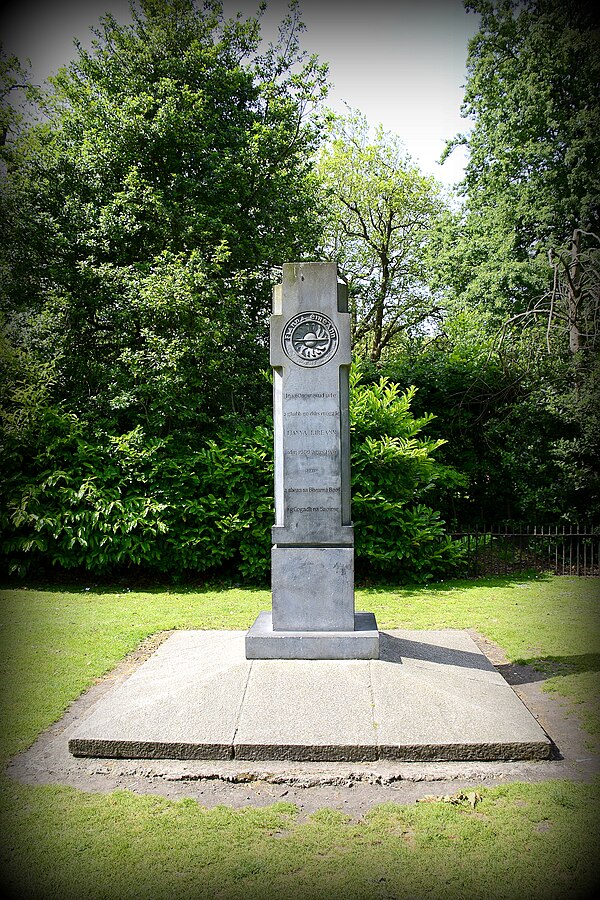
<point x="144" y="216"/>
<point x="512" y="375"/>
<point x="532" y="90"/>
<point x="576" y="451"/>
<point x="524" y="449"/>
<point x="379" y="212"/>
<point x="525" y="246"/>
<point x="101" y="503"/>
<point x="393" y="470"/>
<point x="496" y="307"/>
<point x="16" y="92"/>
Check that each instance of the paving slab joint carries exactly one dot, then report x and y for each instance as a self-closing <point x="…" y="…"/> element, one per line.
<point x="240" y="709"/>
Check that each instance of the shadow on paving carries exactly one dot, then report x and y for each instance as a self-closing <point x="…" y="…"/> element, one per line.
<point x="393" y="649"/>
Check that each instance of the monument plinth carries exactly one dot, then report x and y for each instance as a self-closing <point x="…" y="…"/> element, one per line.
<point x="313" y="613"/>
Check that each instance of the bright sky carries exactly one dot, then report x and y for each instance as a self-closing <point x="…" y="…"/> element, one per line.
<point x="401" y="62"/>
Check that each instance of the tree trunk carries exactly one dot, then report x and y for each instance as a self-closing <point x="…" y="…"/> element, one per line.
<point x="574" y="294"/>
<point x="379" y="312"/>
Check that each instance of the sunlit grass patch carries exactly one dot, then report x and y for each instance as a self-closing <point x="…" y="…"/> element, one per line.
<point x="536" y="841"/>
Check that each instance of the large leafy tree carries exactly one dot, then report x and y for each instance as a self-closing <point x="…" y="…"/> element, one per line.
<point x="143" y="217"/>
<point x="529" y="235"/>
<point x="146" y="213"/>
<point x="379" y="212"/>
<point x="522" y="255"/>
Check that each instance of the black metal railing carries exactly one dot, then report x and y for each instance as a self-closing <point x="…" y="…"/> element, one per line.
<point x="502" y="550"/>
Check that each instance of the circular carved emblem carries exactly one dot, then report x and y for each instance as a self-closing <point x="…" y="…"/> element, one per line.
<point x="310" y="339"/>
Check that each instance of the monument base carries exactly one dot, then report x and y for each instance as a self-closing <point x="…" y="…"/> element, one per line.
<point x="262" y="642"/>
<point x="313" y="589"/>
<point x="431" y="695"/>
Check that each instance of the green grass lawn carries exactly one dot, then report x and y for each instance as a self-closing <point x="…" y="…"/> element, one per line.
<point x="520" y="841"/>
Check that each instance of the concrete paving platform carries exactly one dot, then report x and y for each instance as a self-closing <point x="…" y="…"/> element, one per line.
<point x="432" y="695"/>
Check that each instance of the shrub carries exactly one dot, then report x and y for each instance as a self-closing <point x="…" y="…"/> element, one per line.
<point x="101" y="502"/>
<point x="393" y="469"/>
<point x="105" y="502"/>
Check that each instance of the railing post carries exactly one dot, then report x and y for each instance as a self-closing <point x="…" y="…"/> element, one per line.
<point x="571" y="549"/>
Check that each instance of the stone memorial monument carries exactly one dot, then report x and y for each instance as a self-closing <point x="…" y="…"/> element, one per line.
<point x="313" y="613"/>
<point x="429" y="695"/>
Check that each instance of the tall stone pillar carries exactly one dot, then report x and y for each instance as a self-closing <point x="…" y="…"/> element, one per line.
<point x="313" y="613"/>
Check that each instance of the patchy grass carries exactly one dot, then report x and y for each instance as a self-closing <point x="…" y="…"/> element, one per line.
<point x="67" y="638"/>
<point x="533" y="618"/>
<point x="534" y="841"/>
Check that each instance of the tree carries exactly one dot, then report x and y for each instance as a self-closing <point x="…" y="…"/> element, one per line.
<point x="518" y="449"/>
<point x="520" y="260"/>
<point x="146" y="213"/>
<point x="379" y="209"/>
<point x="531" y="221"/>
<point x="14" y="81"/>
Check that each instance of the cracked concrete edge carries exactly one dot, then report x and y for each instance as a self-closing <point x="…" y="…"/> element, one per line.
<point x="48" y="760"/>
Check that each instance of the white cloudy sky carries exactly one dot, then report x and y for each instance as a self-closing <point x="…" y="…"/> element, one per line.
<point x="402" y="62"/>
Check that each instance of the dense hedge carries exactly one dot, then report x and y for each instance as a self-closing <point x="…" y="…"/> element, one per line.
<point x="105" y="503"/>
